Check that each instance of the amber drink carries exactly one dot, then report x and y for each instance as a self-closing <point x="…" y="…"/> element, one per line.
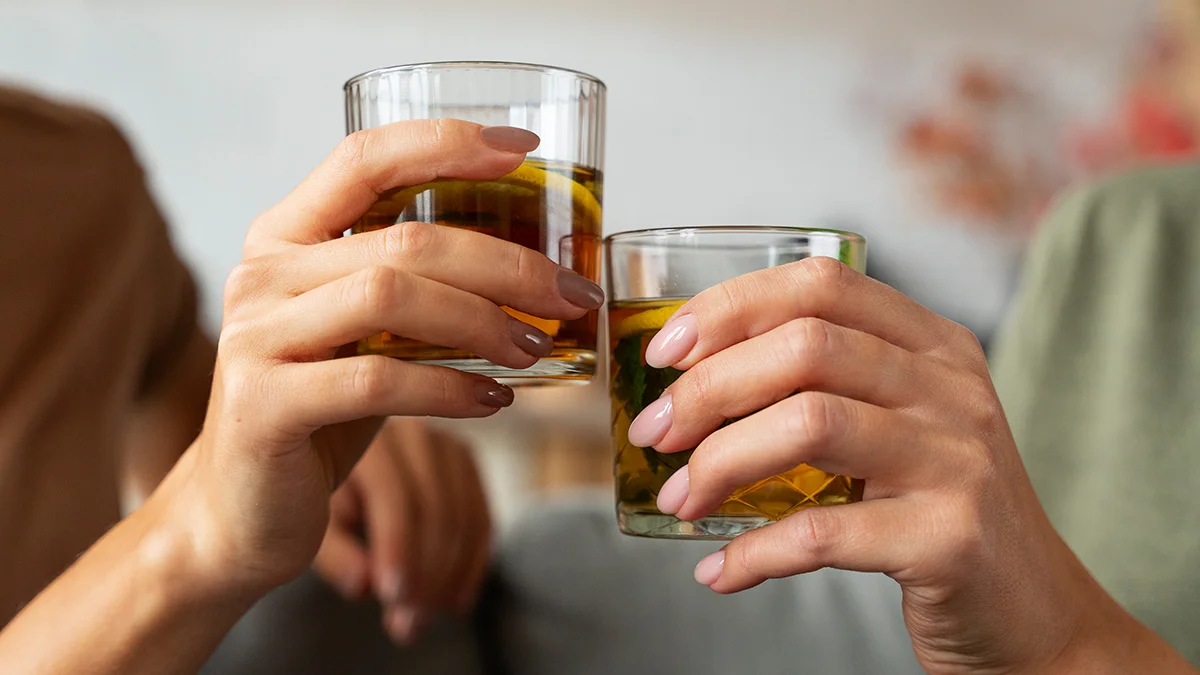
<point x="552" y="203"/>
<point x="676" y="264"/>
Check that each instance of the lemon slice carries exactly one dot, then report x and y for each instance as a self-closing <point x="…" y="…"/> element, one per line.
<point x="526" y="181"/>
<point x="644" y="322"/>
<point x="548" y="326"/>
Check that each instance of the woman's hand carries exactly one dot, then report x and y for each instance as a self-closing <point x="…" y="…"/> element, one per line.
<point x="411" y="527"/>
<point x="287" y="420"/>
<point x="844" y="373"/>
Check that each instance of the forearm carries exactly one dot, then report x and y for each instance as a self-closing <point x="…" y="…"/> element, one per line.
<point x="140" y="601"/>
<point x="1111" y="642"/>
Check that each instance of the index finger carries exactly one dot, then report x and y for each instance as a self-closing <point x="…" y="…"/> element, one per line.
<point x="752" y="304"/>
<point x="372" y="161"/>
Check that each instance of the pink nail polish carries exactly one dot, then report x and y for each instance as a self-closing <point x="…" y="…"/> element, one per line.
<point x="391" y="586"/>
<point x="652" y="424"/>
<point x="709" y="569"/>
<point x="674" y="492"/>
<point x="673" y="342"/>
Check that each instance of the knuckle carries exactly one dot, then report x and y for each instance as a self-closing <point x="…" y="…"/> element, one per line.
<point x="374" y="291"/>
<point x="807" y="342"/>
<point x="740" y="560"/>
<point x="235" y="337"/>
<point x="244" y="281"/>
<point x="964" y="532"/>
<point x="696" y="389"/>
<point x="525" y="266"/>
<point x="984" y="407"/>
<point x="812" y="534"/>
<point x="815" y="420"/>
<point x="823" y="272"/>
<point x="370" y="379"/>
<point x="352" y="151"/>
<point x="412" y="239"/>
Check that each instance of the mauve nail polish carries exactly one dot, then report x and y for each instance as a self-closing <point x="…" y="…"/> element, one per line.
<point x="578" y="290"/>
<point x="529" y="339"/>
<point x="509" y="139"/>
<point x="494" y="394"/>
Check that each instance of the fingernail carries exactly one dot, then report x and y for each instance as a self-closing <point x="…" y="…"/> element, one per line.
<point x="509" y="139"/>
<point x="529" y="339"/>
<point x="709" y="569"/>
<point x="354" y="583"/>
<point x="402" y="625"/>
<point x="674" y="492"/>
<point x="652" y="424"/>
<point x="494" y="394"/>
<point x="391" y="587"/>
<point x="579" y="291"/>
<point x="673" y="342"/>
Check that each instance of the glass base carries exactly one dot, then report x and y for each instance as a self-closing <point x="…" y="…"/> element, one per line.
<point x="655" y="525"/>
<point x="564" y="366"/>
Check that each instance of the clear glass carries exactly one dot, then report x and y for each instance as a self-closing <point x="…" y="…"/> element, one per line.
<point x="552" y="203"/>
<point x="650" y="274"/>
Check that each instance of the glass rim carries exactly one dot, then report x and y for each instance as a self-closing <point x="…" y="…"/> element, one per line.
<point x="701" y="230"/>
<point x="467" y="65"/>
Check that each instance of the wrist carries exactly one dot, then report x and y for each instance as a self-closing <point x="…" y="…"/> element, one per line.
<point x="180" y="547"/>
<point x="1112" y="642"/>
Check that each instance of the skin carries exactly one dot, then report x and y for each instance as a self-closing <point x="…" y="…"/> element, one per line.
<point x="247" y="506"/>
<point x="844" y="373"/>
<point x="418" y="498"/>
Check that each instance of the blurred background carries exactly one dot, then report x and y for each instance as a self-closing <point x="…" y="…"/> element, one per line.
<point x="938" y="128"/>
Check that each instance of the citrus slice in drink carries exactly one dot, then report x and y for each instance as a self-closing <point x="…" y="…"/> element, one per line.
<point x="518" y="189"/>
<point x="645" y="322"/>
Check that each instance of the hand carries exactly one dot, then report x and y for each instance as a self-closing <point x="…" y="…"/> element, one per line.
<point x="418" y="496"/>
<point x="891" y="393"/>
<point x="287" y="420"/>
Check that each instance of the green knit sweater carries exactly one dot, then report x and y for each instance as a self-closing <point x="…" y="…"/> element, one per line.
<point x="1099" y="371"/>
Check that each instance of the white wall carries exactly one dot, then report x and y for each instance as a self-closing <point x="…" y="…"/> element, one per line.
<point x="719" y="111"/>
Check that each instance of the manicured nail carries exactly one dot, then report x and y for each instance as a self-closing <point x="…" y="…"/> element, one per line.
<point x="509" y="139"/>
<point x="579" y="291"/>
<point x="652" y="424"/>
<point x="529" y="339"/>
<point x="709" y="569"/>
<point x="673" y="342"/>
<point x="354" y="584"/>
<point x="391" y="587"/>
<point x="494" y="394"/>
<point x="402" y="624"/>
<point x="674" y="492"/>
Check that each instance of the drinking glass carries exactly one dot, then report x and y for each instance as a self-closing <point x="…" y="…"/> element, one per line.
<point x="651" y="273"/>
<point x="551" y="203"/>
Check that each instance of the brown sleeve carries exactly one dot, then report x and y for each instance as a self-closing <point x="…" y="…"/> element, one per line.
<point x="92" y="297"/>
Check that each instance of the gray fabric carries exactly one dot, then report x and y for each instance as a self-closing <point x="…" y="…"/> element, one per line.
<point x="572" y="596"/>
<point x="305" y="628"/>
<point x="580" y="598"/>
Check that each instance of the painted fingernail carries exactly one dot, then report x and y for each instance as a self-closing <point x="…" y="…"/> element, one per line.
<point x="494" y="394"/>
<point x="354" y="584"/>
<point x="579" y="291"/>
<point x="529" y="339"/>
<point x="673" y="342"/>
<point x="652" y="424"/>
<point x="402" y="624"/>
<point x="509" y="139"/>
<point x="391" y="587"/>
<point x="674" y="492"/>
<point x="709" y="569"/>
